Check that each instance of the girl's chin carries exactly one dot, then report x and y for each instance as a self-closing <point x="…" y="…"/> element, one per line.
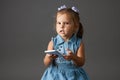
<point x="63" y="35"/>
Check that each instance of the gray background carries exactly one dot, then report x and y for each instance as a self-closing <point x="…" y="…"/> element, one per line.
<point x="26" y="26"/>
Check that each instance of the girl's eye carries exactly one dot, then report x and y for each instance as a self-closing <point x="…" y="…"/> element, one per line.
<point x="66" y="23"/>
<point x="58" y="23"/>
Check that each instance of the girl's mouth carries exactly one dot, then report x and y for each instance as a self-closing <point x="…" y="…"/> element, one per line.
<point x="61" y="31"/>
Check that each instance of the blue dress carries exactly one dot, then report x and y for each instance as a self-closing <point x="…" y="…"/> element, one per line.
<point x="62" y="69"/>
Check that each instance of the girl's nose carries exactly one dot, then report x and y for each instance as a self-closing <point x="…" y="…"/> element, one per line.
<point x="62" y="25"/>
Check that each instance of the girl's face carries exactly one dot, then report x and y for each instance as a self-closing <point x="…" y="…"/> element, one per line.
<point x="65" y="26"/>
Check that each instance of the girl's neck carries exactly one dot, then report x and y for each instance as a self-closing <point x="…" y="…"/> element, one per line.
<point x="67" y="38"/>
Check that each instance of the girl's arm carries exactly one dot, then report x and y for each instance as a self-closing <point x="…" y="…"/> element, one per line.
<point x="49" y="58"/>
<point x="79" y="58"/>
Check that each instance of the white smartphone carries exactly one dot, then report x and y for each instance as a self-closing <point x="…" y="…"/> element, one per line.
<point x="53" y="52"/>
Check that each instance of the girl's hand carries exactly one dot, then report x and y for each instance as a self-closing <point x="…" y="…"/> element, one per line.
<point x="52" y="56"/>
<point x="69" y="55"/>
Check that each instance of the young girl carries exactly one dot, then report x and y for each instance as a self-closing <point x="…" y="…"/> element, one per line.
<point x="69" y="43"/>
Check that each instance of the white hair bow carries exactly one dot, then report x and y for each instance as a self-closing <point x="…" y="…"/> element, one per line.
<point x="62" y="7"/>
<point x="73" y="8"/>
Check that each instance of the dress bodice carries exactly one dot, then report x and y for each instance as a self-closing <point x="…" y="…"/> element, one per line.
<point x="61" y="46"/>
